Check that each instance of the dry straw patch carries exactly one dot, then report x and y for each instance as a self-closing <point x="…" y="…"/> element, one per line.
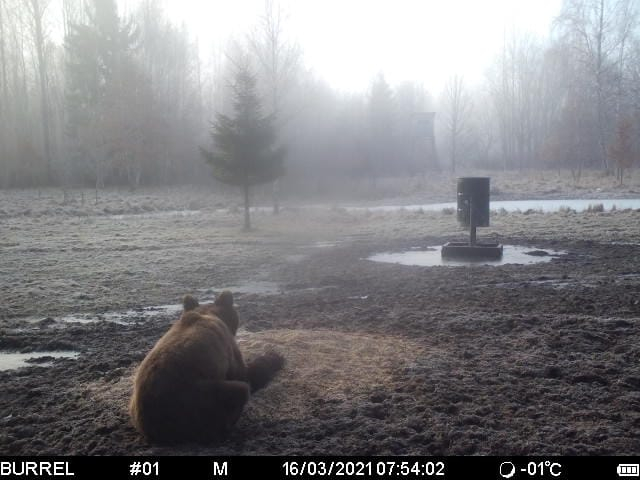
<point x="320" y="364"/>
<point x="326" y="365"/>
<point x="112" y="394"/>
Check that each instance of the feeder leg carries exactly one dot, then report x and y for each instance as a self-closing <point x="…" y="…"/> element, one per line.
<point x="472" y="224"/>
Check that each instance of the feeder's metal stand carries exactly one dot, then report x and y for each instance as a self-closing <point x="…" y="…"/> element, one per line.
<point x="465" y="251"/>
<point x="473" y="211"/>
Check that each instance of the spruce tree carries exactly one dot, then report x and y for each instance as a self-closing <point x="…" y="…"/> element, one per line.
<point x="97" y="53"/>
<point x="245" y="151"/>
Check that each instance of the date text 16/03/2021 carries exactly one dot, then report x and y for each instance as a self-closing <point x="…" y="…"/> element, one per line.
<point x="368" y="468"/>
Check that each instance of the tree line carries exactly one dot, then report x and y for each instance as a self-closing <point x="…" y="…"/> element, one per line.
<point x="128" y="100"/>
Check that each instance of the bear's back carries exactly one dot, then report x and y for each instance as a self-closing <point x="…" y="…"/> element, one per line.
<point x="197" y="347"/>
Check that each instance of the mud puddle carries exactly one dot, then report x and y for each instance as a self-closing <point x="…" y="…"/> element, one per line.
<point x="13" y="360"/>
<point x="432" y="256"/>
<point x="125" y="317"/>
<point x="143" y="314"/>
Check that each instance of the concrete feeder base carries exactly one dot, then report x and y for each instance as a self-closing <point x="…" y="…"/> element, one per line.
<point x="466" y="251"/>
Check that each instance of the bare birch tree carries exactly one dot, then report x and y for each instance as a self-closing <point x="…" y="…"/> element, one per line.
<point x="598" y="32"/>
<point x="457" y="109"/>
<point x="37" y="9"/>
<point x="279" y="61"/>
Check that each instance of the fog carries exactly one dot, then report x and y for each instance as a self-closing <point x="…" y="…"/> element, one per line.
<point x="132" y="133"/>
<point x="99" y="93"/>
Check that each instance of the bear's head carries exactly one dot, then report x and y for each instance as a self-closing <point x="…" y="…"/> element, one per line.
<point x="221" y="308"/>
<point x="226" y="312"/>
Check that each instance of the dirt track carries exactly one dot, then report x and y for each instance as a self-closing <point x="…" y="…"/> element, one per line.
<point x="381" y="358"/>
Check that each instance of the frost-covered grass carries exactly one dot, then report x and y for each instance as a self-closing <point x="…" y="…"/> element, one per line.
<point x="432" y="188"/>
<point x="151" y="247"/>
<point x="82" y="202"/>
<point x="511" y="185"/>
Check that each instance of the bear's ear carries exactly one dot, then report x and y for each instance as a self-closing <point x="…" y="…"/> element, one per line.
<point x="225" y="299"/>
<point x="189" y="302"/>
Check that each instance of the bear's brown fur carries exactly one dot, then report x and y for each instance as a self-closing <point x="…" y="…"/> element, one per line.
<point x="193" y="384"/>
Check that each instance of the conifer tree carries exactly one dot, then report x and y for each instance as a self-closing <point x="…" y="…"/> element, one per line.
<point x="245" y="151"/>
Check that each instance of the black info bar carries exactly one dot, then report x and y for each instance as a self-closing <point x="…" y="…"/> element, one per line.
<point x="383" y="467"/>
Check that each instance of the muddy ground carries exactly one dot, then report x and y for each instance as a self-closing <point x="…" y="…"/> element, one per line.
<point x="539" y="359"/>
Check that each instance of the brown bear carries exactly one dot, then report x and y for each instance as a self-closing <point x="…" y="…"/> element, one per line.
<point x="194" y="383"/>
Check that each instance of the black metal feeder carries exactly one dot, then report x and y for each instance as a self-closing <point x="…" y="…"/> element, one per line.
<point x="473" y="211"/>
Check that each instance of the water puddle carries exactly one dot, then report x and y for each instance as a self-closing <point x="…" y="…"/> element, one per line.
<point x="127" y="317"/>
<point x="555" y="284"/>
<point x="324" y="244"/>
<point x="579" y="205"/>
<point x="431" y="257"/>
<point x="12" y="360"/>
<point x="168" y="213"/>
<point x="124" y="317"/>
<point x="257" y="287"/>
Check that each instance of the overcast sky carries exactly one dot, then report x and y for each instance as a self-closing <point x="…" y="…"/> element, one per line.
<point x="347" y="42"/>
